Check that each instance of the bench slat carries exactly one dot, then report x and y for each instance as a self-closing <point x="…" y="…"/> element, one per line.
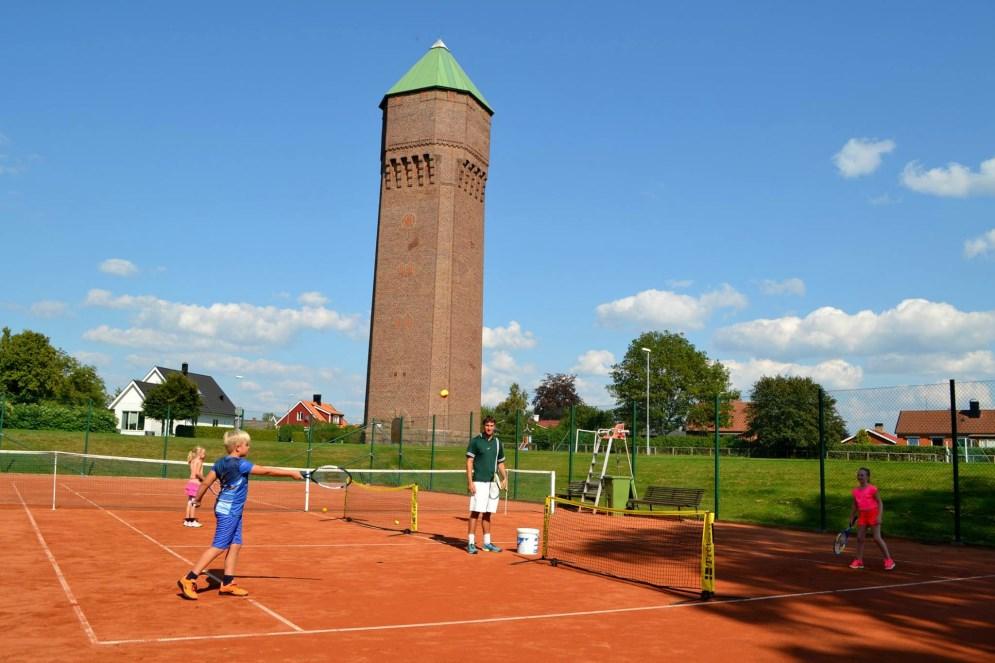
<point x="669" y="496"/>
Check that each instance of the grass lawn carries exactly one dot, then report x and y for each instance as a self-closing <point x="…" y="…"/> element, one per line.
<point x="918" y="497"/>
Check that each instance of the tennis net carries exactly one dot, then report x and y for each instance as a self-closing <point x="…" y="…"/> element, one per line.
<point x="669" y="550"/>
<point x="61" y="479"/>
<point x="384" y="507"/>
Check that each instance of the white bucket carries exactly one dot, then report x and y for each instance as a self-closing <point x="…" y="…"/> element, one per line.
<point x="528" y="541"/>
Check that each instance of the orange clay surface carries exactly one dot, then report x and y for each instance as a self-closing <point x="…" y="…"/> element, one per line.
<point x="95" y="584"/>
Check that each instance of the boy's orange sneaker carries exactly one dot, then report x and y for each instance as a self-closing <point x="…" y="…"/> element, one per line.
<point x="232" y="590"/>
<point x="889" y="564"/>
<point x="857" y="564"/>
<point x="188" y="588"/>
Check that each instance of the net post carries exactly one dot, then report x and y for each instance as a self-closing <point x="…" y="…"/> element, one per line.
<point x="552" y="489"/>
<point x="956" y="468"/>
<point x="55" y="475"/>
<point x="414" y="507"/>
<point x="707" y="557"/>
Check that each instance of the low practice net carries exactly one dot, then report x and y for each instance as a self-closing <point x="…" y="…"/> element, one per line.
<point x="59" y="479"/>
<point x="383" y="507"/>
<point x="669" y="550"/>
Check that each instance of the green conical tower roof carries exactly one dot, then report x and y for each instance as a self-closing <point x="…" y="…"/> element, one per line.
<point x="437" y="69"/>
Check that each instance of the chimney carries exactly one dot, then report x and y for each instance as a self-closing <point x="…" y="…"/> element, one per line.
<point x="184" y="368"/>
<point x="974" y="410"/>
<point x="316" y="398"/>
<point x="879" y="427"/>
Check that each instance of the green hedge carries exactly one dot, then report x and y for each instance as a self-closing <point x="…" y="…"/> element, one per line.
<point x="50" y="416"/>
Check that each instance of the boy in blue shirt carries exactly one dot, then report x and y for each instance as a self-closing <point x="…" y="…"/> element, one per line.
<point x="233" y="472"/>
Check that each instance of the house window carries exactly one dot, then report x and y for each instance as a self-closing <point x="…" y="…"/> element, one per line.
<point x="132" y="420"/>
<point x="913" y="441"/>
<point x="937" y="441"/>
<point x="214" y="422"/>
<point x="300" y="416"/>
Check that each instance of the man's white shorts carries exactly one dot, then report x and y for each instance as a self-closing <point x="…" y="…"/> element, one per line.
<point x="481" y="501"/>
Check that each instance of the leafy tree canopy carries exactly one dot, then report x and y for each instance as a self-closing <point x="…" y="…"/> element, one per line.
<point x="516" y="401"/>
<point x="32" y="370"/>
<point x="555" y="394"/>
<point x="683" y="381"/>
<point x="177" y="398"/>
<point x="783" y="414"/>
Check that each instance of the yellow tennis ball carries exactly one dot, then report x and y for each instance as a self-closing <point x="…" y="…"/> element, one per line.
<point x="324" y="509"/>
<point x="397" y="522"/>
<point x="444" y="393"/>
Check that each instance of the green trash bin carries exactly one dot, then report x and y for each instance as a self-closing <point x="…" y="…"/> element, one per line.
<point x="618" y="490"/>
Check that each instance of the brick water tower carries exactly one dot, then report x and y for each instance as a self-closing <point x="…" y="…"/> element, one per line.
<point x="427" y="312"/>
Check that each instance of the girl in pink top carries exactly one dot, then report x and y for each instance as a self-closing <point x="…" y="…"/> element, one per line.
<point x="195" y="459"/>
<point x="867" y="511"/>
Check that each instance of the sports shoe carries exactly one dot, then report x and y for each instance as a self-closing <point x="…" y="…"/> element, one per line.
<point x="232" y="589"/>
<point x="490" y="547"/>
<point x="857" y="564"/>
<point x="889" y="564"/>
<point x="186" y="523"/>
<point x="188" y="588"/>
<point x="196" y="523"/>
<point x="472" y="549"/>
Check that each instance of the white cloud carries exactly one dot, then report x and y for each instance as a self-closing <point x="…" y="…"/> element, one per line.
<point x="831" y="374"/>
<point x="978" y="364"/>
<point x="48" y="308"/>
<point x="954" y="181"/>
<point x="312" y="299"/>
<point x="884" y="199"/>
<point x="664" y="308"/>
<point x="791" y="286"/>
<point x="594" y="362"/>
<point x="980" y="245"/>
<point x="511" y="336"/>
<point x="227" y="326"/>
<point x="93" y="358"/>
<point x="861" y="156"/>
<point x="915" y="325"/>
<point x="499" y="371"/>
<point x="503" y="361"/>
<point x="679" y="284"/>
<point x="118" y="267"/>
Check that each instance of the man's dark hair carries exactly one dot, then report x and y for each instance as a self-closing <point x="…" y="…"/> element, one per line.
<point x="488" y="419"/>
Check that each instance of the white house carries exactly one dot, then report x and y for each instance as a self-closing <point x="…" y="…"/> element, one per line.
<point x="217" y="410"/>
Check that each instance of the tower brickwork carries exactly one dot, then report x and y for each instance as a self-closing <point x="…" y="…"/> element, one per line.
<point x="427" y="314"/>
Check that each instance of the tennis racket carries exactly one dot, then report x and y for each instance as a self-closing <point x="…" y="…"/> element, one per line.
<point x="332" y="477"/>
<point x="495" y="486"/>
<point x="839" y="545"/>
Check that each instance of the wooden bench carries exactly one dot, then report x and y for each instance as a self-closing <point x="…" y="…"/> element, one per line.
<point x="669" y="496"/>
<point x="575" y="491"/>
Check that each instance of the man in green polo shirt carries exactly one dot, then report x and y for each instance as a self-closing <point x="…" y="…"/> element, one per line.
<point x="484" y="467"/>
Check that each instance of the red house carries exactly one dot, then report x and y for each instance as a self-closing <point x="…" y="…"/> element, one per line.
<point x="876" y="435"/>
<point x="737" y="425"/>
<point x="304" y="412"/>
<point x="932" y="427"/>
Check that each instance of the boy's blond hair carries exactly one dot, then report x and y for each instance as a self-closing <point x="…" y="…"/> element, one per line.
<point x="235" y="437"/>
<point x="194" y="453"/>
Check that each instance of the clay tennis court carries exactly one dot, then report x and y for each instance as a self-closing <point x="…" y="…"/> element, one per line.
<point x="98" y="583"/>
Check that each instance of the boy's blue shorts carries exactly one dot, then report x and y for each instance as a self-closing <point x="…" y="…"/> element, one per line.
<point x="229" y="531"/>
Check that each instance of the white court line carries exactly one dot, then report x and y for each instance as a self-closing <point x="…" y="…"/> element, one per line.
<point x="552" y="615"/>
<point x="175" y="554"/>
<point x="58" y="573"/>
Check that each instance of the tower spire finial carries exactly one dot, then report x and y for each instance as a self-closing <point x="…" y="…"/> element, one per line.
<point x="440" y="44"/>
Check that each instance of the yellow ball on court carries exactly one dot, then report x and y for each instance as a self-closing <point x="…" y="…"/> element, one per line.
<point x="324" y="509"/>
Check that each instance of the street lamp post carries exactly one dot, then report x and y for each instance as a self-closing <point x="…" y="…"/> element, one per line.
<point x="647" y="351"/>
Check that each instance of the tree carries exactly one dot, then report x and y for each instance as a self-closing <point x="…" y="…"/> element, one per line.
<point x="683" y="381"/>
<point x="783" y="414"/>
<point x="32" y="370"/>
<point x="176" y="398"/>
<point x="517" y="401"/>
<point x="555" y="394"/>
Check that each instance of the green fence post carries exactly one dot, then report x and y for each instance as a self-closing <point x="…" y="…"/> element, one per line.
<point x="570" y="448"/>
<point x="953" y="435"/>
<point x="518" y="443"/>
<point x="718" y="419"/>
<point x="86" y="434"/>
<point x="822" y="460"/>
<point x="400" y="444"/>
<point x="431" y="457"/>
<point x="373" y="439"/>
<point x="3" y="408"/>
<point x="635" y="445"/>
<point x="165" y="440"/>
<point x="471" y="427"/>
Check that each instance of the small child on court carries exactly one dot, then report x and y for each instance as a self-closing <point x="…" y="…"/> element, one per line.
<point x="233" y="472"/>
<point x="195" y="459"/>
<point x="868" y="509"/>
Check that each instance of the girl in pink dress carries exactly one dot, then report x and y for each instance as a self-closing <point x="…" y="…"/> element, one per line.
<point x="868" y="509"/>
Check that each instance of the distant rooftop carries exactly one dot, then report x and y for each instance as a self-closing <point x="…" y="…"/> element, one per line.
<point x="437" y="69"/>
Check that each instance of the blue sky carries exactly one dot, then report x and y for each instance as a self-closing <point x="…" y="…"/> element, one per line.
<point x="800" y="190"/>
